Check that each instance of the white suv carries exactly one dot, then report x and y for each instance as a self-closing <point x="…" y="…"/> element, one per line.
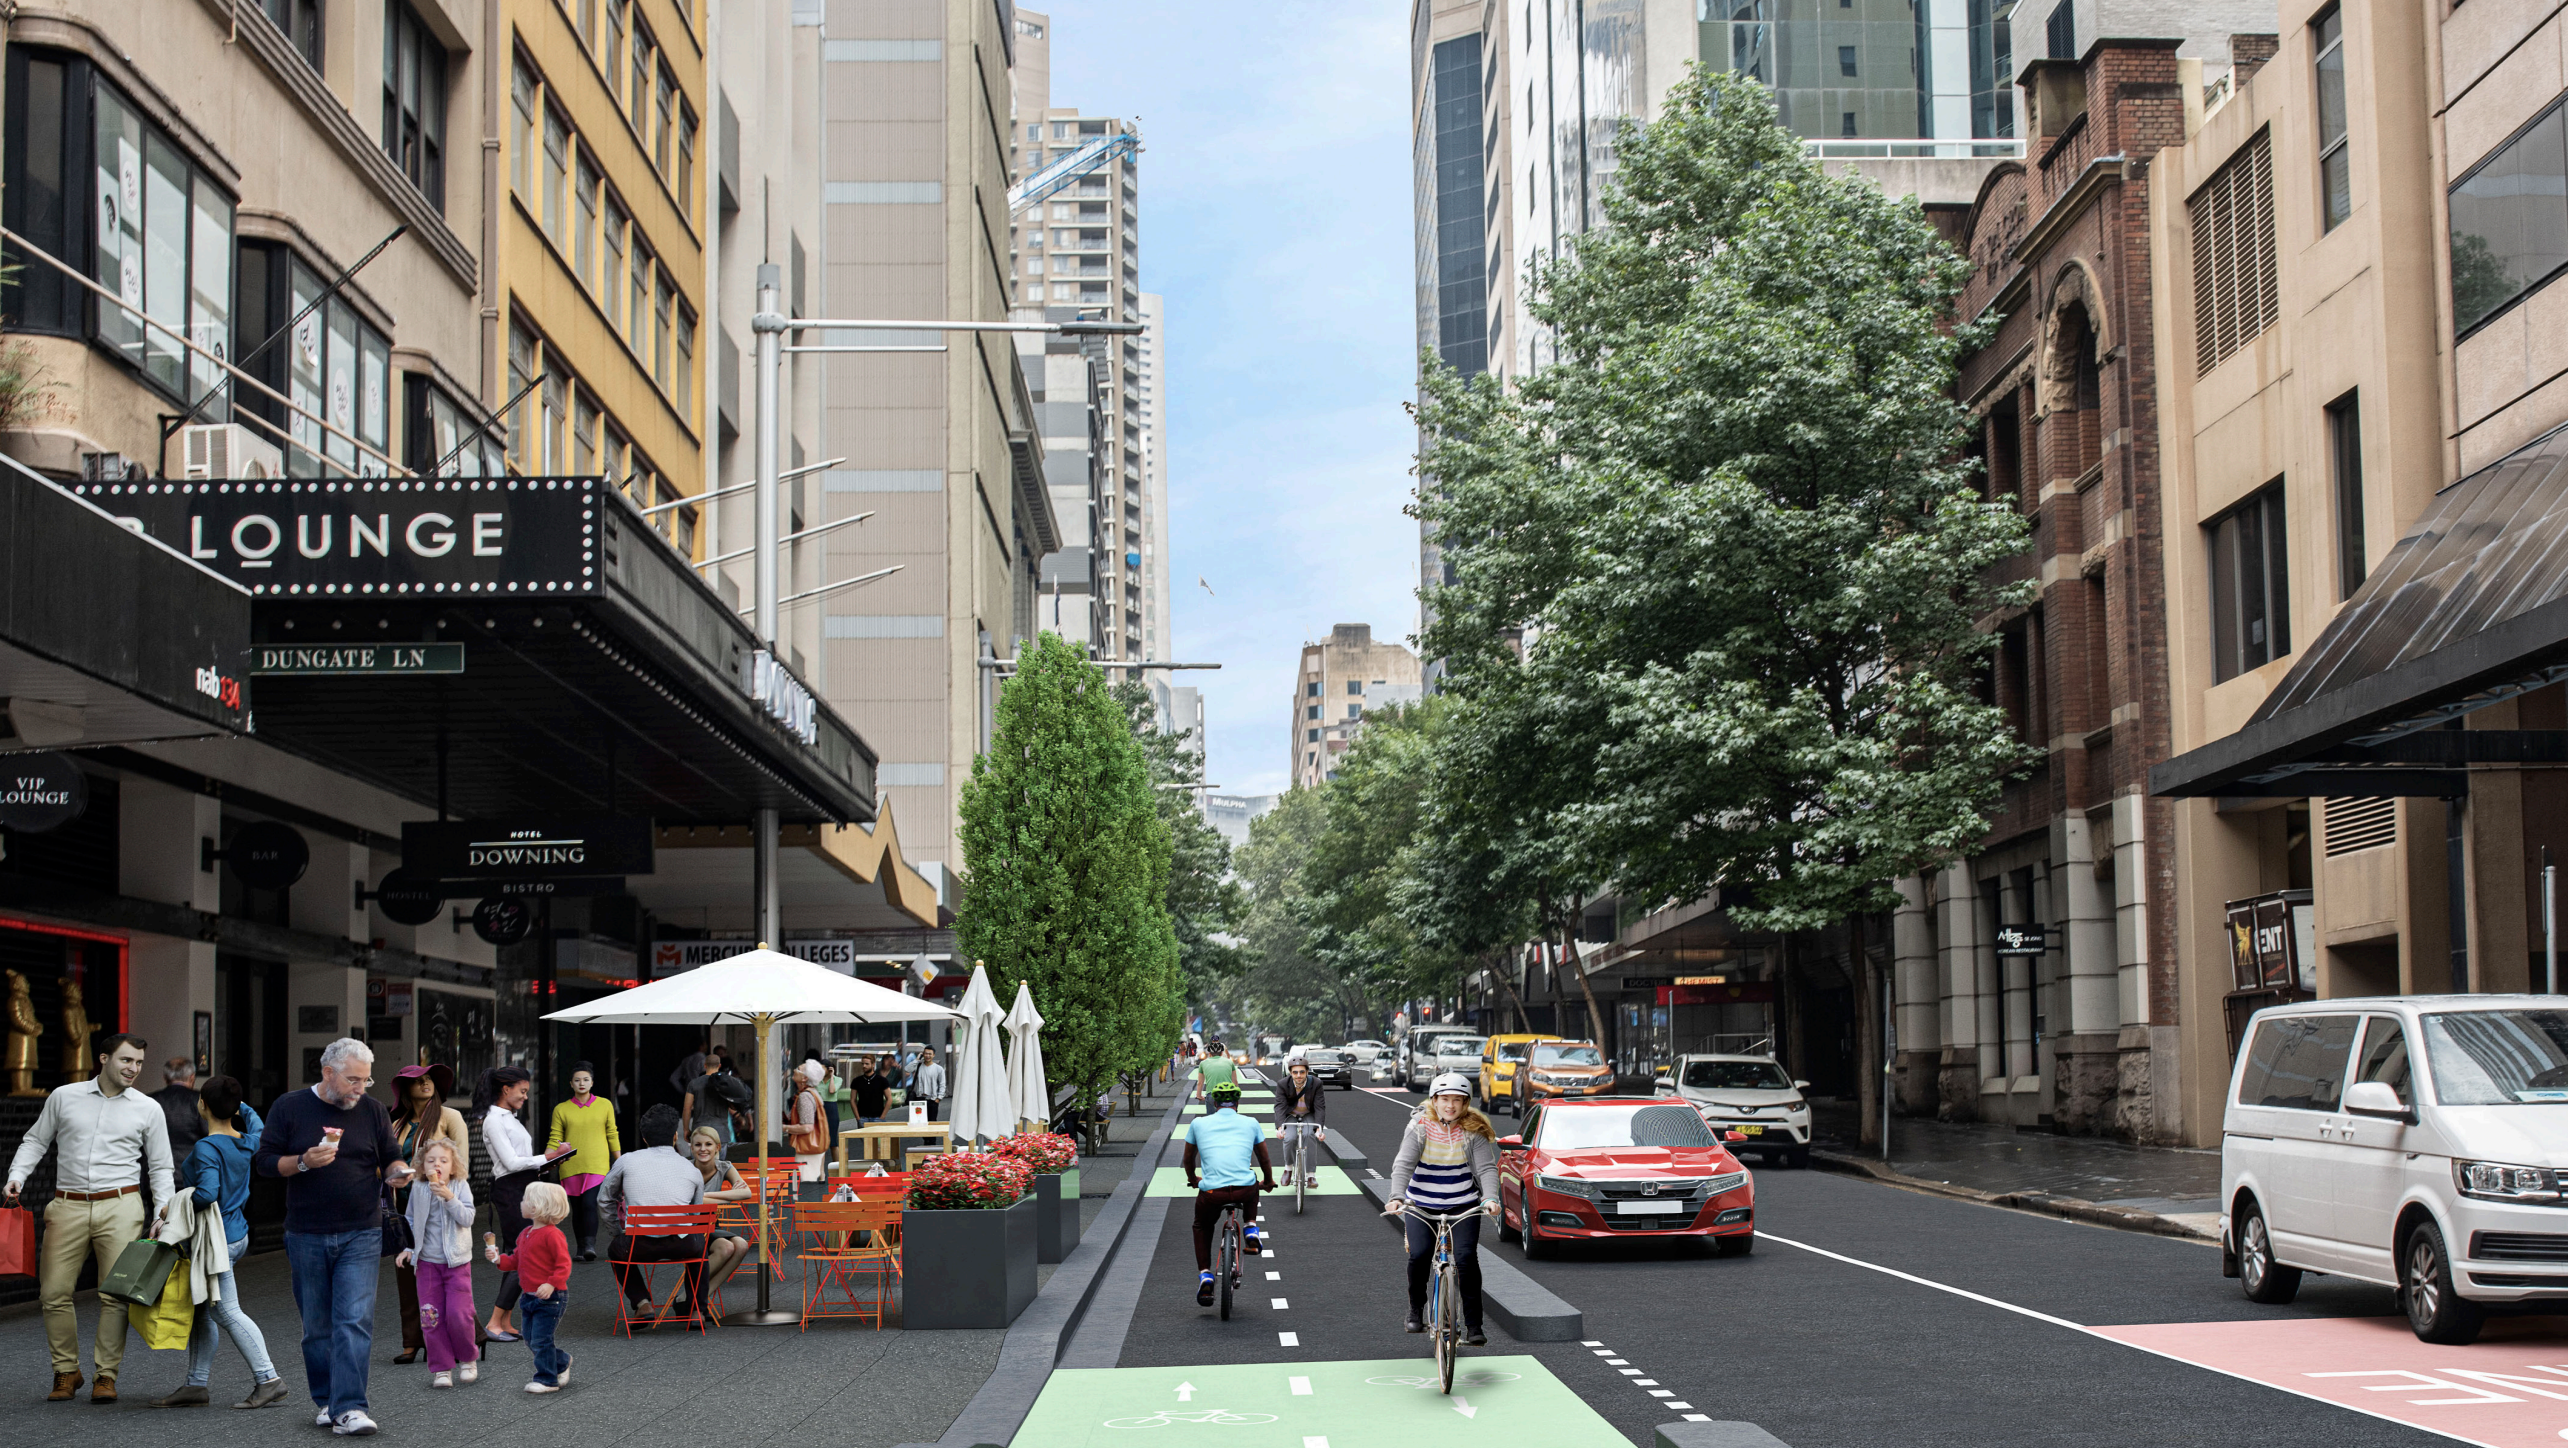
<point x="2448" y="1184"/>
<point x="1750" y="1095"/>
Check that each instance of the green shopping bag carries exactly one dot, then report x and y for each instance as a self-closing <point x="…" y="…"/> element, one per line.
<point x="141" y="1271"/>
<point x="166" y="1323"/>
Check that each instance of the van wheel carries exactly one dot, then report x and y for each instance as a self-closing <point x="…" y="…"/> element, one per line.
<point x="2264" y="1279"/>
<point x="2434" y="1310"/>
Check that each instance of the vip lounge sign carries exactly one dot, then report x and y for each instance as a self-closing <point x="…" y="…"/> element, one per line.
<point x="571" y="847"/>
<point x="376" y="537"/>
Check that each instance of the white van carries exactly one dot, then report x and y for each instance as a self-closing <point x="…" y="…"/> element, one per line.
<point x="2419" y="1142"/>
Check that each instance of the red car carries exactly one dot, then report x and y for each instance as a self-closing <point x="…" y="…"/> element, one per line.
<point x="1622" y="1167"/>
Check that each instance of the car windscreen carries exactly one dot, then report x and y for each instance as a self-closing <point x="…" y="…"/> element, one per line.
<point x="1568" y="1128"/>
<point x="1549" y="1055"/>
<point x="2498" y="1058"/>
<point x="1511" y="1051"/>
<point x="1736" y="1076"/>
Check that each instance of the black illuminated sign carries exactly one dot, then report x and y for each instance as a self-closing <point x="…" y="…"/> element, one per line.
<point x="528" y="849"/>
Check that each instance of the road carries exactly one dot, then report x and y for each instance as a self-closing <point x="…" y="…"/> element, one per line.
<point x="1865" y="1315"/>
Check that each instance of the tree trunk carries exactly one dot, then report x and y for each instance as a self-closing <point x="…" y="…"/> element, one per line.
<point x="1869" y="1077"/>
<point x="1595" y="1017"/>
<point x="1498" y="968"/>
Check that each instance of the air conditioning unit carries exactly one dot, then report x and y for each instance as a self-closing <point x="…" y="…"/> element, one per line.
<point x="228" y="452"/>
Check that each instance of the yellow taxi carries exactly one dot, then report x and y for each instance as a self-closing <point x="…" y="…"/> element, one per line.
<point x="1501" y="1057"/>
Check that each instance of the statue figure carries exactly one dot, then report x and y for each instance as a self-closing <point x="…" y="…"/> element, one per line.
<point x="24" y="1028"/>
<point x="76" y="1028"/>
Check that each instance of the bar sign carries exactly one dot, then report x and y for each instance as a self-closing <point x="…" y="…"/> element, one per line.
<point x="312" y="660"/>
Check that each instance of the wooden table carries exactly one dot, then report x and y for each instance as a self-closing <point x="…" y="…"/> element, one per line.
<point x="879" y="1137"/>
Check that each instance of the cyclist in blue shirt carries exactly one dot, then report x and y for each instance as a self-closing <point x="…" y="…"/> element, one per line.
<point x="1228" y="1151"/>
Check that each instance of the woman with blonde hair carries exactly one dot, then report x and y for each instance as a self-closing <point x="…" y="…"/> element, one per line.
<point x="1447" y="1164"/>
<point x="725" y="1251"/>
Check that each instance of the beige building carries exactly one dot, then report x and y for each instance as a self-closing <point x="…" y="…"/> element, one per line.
<point x="2362" y="348"/>
<point x="1341" y="677"/>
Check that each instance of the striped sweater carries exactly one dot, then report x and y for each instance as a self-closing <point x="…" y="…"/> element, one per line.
<point x="1444" y="1169"/>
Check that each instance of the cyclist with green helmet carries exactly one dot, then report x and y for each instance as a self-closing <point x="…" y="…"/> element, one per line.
<point x="1217" y="1068"/>
<point x="1228" y="1151"/>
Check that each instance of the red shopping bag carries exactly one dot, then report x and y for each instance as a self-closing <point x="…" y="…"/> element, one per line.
<point x="17" y="1243"/>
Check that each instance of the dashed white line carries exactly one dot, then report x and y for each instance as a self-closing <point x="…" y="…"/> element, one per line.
<point x="1288" y="1339"/>
<point x="1584" y="1344"/>
<point x="1698" y="1417"/>
<point x="1279" y="1302"/>
<point x="1661" y="1393"/>
<point x="1629" y="1372"/>
<point x="1274" y="1276"/>
<point x="1615" y="1362"/>
<point x="1301" y="1386"/>
<point x="1645" y="1382"/>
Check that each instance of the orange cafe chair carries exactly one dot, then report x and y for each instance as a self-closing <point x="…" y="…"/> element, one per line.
<point x="641" y="1222"/>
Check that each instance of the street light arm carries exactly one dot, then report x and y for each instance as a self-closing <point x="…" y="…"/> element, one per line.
<point x="810" y="532"/>
<point x="834" y="587"/>
<point x="738" y="488"/>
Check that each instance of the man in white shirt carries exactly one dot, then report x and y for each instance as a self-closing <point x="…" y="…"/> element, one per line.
<point x="106" y="1138"/>
<point x="929" y="1085"/>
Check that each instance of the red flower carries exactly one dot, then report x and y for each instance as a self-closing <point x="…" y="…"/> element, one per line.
<point x="969" y="1180"/>
<point x="1048" y="1153"/>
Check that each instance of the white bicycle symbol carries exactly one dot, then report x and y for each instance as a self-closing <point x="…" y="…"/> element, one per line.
<point x="1476" y="1379"/>
<point x="1219" y="1417"/>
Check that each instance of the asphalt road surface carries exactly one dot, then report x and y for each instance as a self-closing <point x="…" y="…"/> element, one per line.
<point x="1866" y="1315"/>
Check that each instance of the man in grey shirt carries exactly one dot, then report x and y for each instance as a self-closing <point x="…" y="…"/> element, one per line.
<point x="928" y="1085"/>
<point x="659" y="1175"/>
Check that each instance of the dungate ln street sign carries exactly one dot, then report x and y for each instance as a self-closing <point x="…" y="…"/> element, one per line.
<point x="330" y="659"/>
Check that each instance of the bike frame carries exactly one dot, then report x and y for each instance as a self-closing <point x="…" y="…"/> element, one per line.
<point x="1444" y="1291"/>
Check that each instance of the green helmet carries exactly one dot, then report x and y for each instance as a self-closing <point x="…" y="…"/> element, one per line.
<point x="1223" y="1091"/>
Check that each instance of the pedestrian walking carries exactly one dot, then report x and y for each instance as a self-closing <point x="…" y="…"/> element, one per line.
<point x="334" y="1146"/>
<point x="543" y="1259"/>
<point x="586" y="1124"/>
<point x="929" y="1085"/>
<point x="807" y="1132"/>
<point x="707" y="1103"/>
<point x="660" y="1174"/>
<point x="420" y="1115"/>
<point x="441" y="1253"/>
<point x="218" y="1169"/>
<point x="177" y="1098"/>
<point x="689" y="1071"/>
<point x="514" y="1166"/>
<point x="107" y="1139"/>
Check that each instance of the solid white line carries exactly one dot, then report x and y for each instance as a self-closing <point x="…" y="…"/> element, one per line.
<point x="2101" y="1337"/>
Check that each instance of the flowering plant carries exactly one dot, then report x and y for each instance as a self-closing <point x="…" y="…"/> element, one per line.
<point x="1049" y="1153"/>
<point x="968" y="1181"/>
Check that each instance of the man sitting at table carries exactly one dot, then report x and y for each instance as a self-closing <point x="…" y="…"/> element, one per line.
<point x="660" y="1175"/>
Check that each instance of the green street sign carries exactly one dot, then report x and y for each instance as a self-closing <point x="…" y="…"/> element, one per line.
<point x="318" y="659"/>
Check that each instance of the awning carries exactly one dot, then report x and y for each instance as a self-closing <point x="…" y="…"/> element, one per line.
<point x="848" y="878"/>
<point x="2470" y="609"/>
<point x="598" y="674"/>
<point x="106" y="636"/>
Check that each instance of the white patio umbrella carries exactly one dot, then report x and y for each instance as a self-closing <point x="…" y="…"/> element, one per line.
<point x="982" y="1106"/>
<point x="1026" y="1085"/>
<point x="762" y="989"/>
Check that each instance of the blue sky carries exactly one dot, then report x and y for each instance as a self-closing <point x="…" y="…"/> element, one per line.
<point x="1275" y="219"/>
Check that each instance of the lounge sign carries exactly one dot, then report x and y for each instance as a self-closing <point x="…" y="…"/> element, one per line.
<point x="571" y="847"/>
<point x="375" y="537"/>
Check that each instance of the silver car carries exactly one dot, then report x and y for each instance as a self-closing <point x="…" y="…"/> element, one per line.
<point x="1750" y="1095"/>
<point x="1458" y="1053"/>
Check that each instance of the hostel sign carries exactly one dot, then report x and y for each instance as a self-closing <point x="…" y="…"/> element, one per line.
<point x="376" y="537"/>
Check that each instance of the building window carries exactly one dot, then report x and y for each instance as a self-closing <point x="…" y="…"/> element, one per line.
<point x="611" y="286"/>
<point x="334" y="365"/>
<point x="611" y="55"/>
<point x="2251" y="620"/>
<point x="555" y="393"/>
<point x="638" y="98"/>
<point x="300" y="20"/>
<point x="2345" y="451"/>
<point x="521" y="133"/>
<point x="2335" y="178"/>
<point x="1313" y="712"/>
<point x="584" y="222"/>
<point x="2510" y="221"/>
<point x="439" y="435"/>
<point x="1313" y="688"/>
<point x="2236" y="291"/>
<point x="521" y="374"/>
<point x="1355" y="686"/>
<point x="639" y="294"/>
<point x="1355" y="711"/>
<point x="660" y="109"/>
<point x="1845" y="60"/>
<point x="660" y="336"/>
<point x="557" y="160"/>
<point x="2063" y="31"/>
<point x="583" y="434"/>
<point x="164" y="248"/>
<point x="414" y="101"/>
<point x="686" y="159"/>
<point x="1311" y="736"/>
<point x="683" y="388"/>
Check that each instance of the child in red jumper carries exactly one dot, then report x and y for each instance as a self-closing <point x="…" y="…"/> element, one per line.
<point x="542" y="1263"/>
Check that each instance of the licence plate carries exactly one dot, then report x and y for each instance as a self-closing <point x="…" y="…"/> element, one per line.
<point x="1749" y="1129"/>
<point x="1649" y="1209"/>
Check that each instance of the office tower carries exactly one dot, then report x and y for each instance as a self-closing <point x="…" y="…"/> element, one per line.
<point x="1340" y="678"/>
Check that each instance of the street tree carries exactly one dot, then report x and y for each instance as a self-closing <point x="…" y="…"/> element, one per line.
<point x="1204" y="900"/>
<point x="1066" y="862"/>
<point x="1717" y="567"/>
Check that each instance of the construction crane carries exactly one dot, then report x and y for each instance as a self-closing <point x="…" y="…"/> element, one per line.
<point x="1051" y="179"/>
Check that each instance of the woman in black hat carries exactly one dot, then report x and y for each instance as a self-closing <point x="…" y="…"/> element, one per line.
<point x="419" y="1115"/>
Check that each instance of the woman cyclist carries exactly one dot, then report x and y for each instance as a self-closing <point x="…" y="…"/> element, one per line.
<point x="1448" y="1163"/>
<point x="1302" y="1107"/>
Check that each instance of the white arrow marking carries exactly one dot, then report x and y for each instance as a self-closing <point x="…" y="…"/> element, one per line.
<point x="1185" y="1392"/>
<point x="1301" y="1386"/>
<point x="1463" y="1406"/>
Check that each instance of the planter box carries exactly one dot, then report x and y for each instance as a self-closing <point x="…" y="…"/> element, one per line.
<point x="967" y="1268"/>
<point x="1056" y="1215"/>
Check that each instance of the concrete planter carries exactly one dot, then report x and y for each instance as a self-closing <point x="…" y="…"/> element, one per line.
<point x="967" y="1268"/>
<point x="1056" y="1215"/>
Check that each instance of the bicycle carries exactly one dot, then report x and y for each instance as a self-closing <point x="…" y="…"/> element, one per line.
<point x="1218" y="1417"/>
<point x="1226" y="1254"/>
<point x="1297" y="1159"/>
<point x="1444" y="1293"/>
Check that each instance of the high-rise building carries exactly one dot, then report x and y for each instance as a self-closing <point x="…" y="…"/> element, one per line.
<point x="1076" y="255"/>
<point x="1340" y="678"/>
<point x="1158" y="625"/>
<point x="1069" y="390"/>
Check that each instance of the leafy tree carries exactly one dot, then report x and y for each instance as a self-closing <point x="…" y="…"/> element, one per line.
<point x="1376" y="812"/>
<point x="1066" y="865"/>
<point x="1718" y="566"/>
<point x="1284" y="988"/>
<point x="1204" y="901"/>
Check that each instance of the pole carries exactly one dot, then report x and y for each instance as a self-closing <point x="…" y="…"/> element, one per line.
<point x="762" y="879"/>
<point x="766" y="588"/>
<point x="765" y="1316"/>
<point x="2549" y="922"/>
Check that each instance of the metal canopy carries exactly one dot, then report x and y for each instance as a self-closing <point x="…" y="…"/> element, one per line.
<point x="634" y="699"/>
<point x="2470" y="609"/>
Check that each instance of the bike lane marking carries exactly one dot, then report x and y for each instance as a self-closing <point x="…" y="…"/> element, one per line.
<point x="1265" y="1405"/>
<point x="1649" y="1385"/>
<point x="1170" y="1181"/>
<point x="2322" y="1344"/>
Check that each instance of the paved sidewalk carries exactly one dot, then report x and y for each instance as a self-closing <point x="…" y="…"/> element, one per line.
<point x="2179" y="1185"/>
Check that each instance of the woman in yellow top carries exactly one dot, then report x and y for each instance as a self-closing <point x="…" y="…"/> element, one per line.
<point x="587" y="1122"/>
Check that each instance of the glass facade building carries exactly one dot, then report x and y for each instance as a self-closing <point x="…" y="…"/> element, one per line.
<point x="1453" y="280"/>
<point x="1872" y="70"/>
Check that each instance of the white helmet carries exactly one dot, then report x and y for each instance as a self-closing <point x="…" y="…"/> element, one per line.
<point x="1451" y="1083"/>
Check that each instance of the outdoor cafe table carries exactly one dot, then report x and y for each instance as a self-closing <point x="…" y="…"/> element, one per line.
<point x="879" y="1137"/>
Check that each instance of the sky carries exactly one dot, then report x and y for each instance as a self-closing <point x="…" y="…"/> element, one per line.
<point x="1276" y="220"/>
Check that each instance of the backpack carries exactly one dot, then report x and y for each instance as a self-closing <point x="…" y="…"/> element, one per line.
<point x="732" y="1091"/>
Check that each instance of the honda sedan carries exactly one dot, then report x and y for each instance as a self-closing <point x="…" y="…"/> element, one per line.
<point x="1622" y="1167"/>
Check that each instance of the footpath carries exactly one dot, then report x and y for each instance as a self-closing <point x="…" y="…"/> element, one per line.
<point x="2171" y="1191"/>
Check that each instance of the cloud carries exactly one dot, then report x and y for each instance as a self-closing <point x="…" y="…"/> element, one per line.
<point x="1276" y="218"/>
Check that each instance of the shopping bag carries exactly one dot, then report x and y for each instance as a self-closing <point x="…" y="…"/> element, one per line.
<point x="141" y="1271"/>
<point x="166" y="1323"/>
<point x="17" y="1243"/>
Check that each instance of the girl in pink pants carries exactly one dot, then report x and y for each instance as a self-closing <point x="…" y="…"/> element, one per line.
<point x="441" y="1234"/>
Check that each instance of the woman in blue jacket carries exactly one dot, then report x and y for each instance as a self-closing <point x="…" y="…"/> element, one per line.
<point x="218" y="1167"/>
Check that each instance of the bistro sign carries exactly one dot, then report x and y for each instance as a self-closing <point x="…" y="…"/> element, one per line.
<point x="570" y="847"/>
<point x="375" y="537"/>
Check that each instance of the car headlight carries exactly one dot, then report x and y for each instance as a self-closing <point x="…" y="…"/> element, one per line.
<point x="1566" y="1186"/>
<point x="1795" y="1104"/>
<point x="1544" y="1078"/>
<point x="2497" y="1182"/>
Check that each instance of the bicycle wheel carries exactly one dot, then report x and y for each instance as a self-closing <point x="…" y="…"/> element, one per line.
<point x="1226" y="1262"/>
<point x="1440" y="1326"/>
<point x="1300" y="1167"/>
